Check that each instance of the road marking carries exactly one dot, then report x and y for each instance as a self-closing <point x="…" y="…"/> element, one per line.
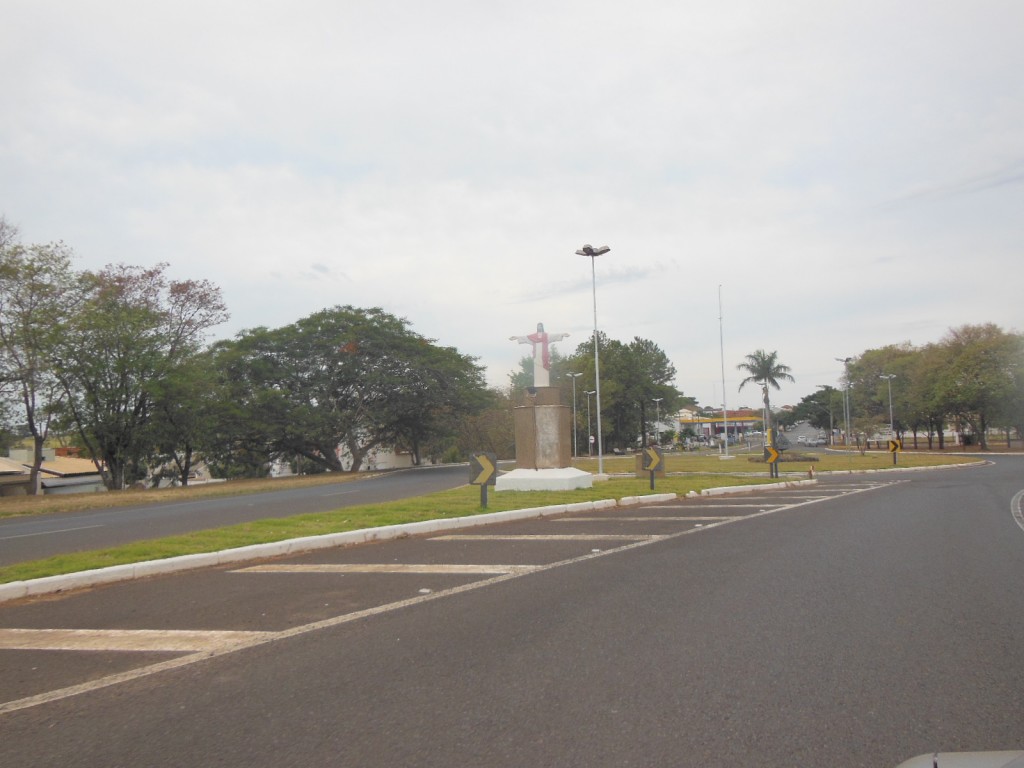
<point x="548" y="537"/>
<point x="667" y="518"/>
<point x="388" y="568"/>
<point x="718" y="506"/>
<point x="1015" y="507"/>
<point x="122" y="639"/>
<point x="47" y="533"/>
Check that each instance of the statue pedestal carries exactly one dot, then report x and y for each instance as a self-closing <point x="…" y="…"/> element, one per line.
<point x="543" y="446"/>
<point x="564" y="479"/>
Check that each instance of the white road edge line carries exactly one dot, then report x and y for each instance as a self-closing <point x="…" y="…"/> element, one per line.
<point x="1015" y="509"/>
<point x="50" y="533"/>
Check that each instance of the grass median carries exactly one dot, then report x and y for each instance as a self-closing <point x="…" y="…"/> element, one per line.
<point x="687" y="473"/>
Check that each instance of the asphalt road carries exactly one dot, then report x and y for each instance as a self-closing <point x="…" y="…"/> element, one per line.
<point x="30" y="538"/>
<point x="854" y="623"/>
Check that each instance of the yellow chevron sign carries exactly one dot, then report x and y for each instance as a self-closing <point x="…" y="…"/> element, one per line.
<point x="483" y="469"/>
<point x="652" y="459"/>
<point x="771" y="454"/>
<point x="895" y="445"/>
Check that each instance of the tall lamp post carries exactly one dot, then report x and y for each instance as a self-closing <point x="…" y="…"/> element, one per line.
<point x="590" y="434"/>
<point x="592" y="253"/>
<point x="846" y="397"/>
<point x="575" y="428"/>
<point x="892" y="431"/>
<point x="657" y="418"/>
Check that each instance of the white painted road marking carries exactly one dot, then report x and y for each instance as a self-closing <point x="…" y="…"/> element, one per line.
<point x="47" y="533"/>
<point x="666" y="518"/>
<point x="547" y="537"/>
<point x="388" y="568"/>
<point x="186" y="640"/>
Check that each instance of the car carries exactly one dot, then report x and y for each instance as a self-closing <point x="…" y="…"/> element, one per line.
<point x="813" y="441"/>
<point x="801" y="439"/>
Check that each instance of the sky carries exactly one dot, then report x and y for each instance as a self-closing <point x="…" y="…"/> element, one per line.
<point x="811" y="178"/>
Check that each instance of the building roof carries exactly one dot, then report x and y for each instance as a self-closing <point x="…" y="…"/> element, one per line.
<point x="12" y="467"/>
<point x="66" y="466"/>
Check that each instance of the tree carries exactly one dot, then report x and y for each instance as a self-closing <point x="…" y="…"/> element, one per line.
<point x="979" y="382"/>
<point x="8" y="233"/>
<point x="820" y="409"/>
<point x="346" y="377"/>
<point x="490" y="429"/>
<point x="764" y="369"/>
<point x="185" y="412"/>
<point x="38" y="292"/>
<point x="632" y="376"/>
<point x="133" y="329"/>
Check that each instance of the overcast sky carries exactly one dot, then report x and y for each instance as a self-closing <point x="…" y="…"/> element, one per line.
<point x="850" y="173"/>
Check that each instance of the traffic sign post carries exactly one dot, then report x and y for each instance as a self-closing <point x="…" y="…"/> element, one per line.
<point x="895" y="446"/>
<point x="771" y="453"/>
<point x="483" y="471"/>
<point x="652" y="460"/>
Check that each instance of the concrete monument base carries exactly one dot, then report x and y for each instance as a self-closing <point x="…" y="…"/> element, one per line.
<point x="561" y="479"/>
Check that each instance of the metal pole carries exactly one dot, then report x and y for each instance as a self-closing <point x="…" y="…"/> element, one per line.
<point x="721" y="347"/>
<point x="657" y="418"/>
<point x="892" y="424"/>
<point x="575" y="427"/>
<point x="593" y="253"/>
<point x="590" y="445"/>
<point x="846" y="396"/>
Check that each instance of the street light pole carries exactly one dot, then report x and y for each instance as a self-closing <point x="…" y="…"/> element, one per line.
<point x="657" y="418"/>
<point x="575" y="428"/>
<point x="592" y="253"/>
<point x="892" y="430"/>
<point x="846" y="397"/>
<point x="721" y="349"/>
<point x="590" y="435"/>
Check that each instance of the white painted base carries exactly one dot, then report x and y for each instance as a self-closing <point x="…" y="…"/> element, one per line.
<point x="564" y="479"/>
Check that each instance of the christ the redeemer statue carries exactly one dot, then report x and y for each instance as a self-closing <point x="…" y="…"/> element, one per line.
<point x="541" y="339"/>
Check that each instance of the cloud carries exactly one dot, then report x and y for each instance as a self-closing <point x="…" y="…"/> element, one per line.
<point x="848" y="172"/>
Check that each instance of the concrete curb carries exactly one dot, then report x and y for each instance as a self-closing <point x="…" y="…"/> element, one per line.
<point x="17" y="590"/>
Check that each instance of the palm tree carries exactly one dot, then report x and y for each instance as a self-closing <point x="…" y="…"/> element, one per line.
<point x="764" y="369"/>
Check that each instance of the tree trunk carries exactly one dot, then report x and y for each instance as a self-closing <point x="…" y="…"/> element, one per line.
<point x="34" y="478"/>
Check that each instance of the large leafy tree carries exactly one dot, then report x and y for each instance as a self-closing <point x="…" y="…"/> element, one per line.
<point x="870" y="391"/>
<point x="346" y="378"/>
<point x="979" y="382"/>
<point x="38" y="292"/>
<point x="633" y="375"/>
<point x="764" y="368"/>
<point x="133" y="329"/>
<point x="185" y="413"/>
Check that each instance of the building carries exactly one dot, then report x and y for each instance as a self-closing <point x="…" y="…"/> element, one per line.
<point x="57" y="474"/>
<point x="709" y="425"/>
